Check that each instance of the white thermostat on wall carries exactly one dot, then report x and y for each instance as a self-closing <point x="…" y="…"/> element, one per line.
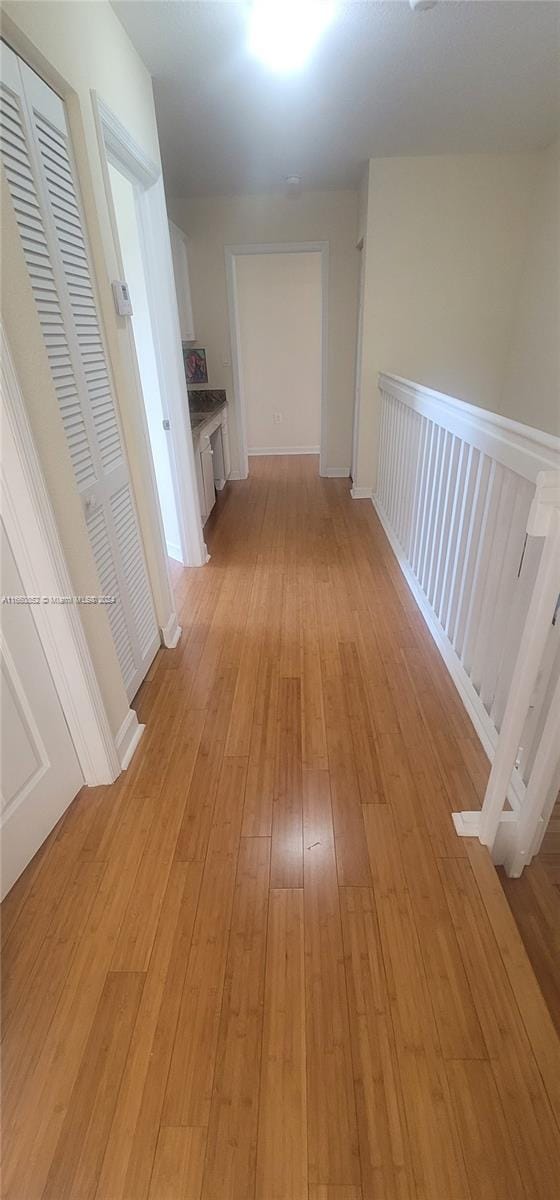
<point x="123" y="303"/>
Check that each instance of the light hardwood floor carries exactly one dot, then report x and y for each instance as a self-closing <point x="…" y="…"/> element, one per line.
<point x="534" y="900"/>
<point x="261" y="966"/>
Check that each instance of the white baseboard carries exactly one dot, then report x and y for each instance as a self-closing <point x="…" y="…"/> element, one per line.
<point x="283" y="450"/>
<point x="335" y="472"/>
<point x="128" y="737"/>
<point x="171" y="632"/>
<point x="483" y="724"/>
<point x="236" y="475"/>
<point x="360" y="493"/>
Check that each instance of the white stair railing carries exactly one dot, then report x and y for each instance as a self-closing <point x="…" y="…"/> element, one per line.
<point x="514" y="836"/>
<point x="479" y="547"/>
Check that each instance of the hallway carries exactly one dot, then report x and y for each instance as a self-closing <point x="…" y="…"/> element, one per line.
<point x="262" y="966"/>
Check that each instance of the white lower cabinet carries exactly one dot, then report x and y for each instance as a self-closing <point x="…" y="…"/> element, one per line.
<point x="212" y="462"/>
<point x="207" y="472"/>
<point x="225" y="447"/>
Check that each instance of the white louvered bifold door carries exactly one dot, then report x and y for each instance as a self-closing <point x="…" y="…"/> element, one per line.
<point x="38" y="164"/>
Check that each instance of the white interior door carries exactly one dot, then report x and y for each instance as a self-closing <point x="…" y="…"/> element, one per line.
<point x="37" y="159"/>
<point x="40" y="769"/>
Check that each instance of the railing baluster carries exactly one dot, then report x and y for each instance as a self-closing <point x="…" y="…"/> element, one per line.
<point x="454" y="487"/>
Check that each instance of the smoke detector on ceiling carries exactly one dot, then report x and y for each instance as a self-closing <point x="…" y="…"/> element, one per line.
<point x="293" y="185"/>
<point x="422" y="5"/>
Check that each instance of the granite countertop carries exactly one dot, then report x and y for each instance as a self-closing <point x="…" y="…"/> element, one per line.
<point x="203" y="405"/>
<point x="206" y="401"/>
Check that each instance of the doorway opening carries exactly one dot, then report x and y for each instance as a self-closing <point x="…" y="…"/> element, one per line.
<point x="277" y="296"/>
<point x="138" y="213"/>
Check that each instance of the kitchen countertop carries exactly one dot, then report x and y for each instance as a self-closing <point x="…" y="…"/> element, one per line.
<point x="203" y="406"/>
<point x="206" y="401"/>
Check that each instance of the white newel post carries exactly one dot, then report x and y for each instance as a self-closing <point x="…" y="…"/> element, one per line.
<point x="544" y="521"/>
<point x="543" y="784"/>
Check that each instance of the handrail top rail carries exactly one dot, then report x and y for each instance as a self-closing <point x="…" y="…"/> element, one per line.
<point x="492" y="422"/>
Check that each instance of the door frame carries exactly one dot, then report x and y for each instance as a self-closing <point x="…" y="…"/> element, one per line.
<point x="117" y="146"/>
<point x="357" y="382"/>
<point x="31" y="527"/>
<point x="232" y="253"/>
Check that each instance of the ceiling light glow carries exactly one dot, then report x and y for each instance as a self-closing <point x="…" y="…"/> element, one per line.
<point x="282" y="33"/>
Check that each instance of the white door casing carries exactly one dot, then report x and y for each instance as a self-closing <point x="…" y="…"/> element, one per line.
<point x="179" y="255"/>
<point x="37" y="159"/>
<point x="232" y="253"/>
<point x="118" y="147"/>
<point x="358" y="367"/>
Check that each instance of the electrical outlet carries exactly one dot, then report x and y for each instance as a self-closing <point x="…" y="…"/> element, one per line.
<point x="276" y="418"/>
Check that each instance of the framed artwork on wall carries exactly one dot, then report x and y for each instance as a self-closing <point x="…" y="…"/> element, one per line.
<point x="196" y="368"/>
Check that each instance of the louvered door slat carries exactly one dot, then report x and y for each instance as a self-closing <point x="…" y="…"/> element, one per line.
<point x="60" y="185"/>
<point x="35" y="249"/>
<point x="37" y="160"/>
<point x="100" y="545"/>
<point x="128" y="541"/>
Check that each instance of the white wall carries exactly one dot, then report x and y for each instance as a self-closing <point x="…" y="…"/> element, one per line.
<point x="279" y="309"/>
<point x="531" y="385"/>
<point x="76" y="48"/>
<point x="218" y="221"/>
<point x="131" y="251"/>
<point x="444" y="241"/>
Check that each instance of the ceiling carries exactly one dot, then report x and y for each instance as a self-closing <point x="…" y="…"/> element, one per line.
<point x="464" y="77"/>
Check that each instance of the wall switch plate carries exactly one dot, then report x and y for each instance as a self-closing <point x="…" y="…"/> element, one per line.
<point x="276" y="418"/>
<point x="121" y="295"/>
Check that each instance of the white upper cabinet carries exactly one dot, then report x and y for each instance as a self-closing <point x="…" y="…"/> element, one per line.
<point x="182" y="282"/>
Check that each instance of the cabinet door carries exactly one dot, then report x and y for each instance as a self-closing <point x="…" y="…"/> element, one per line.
<point x="217" y="444"/>
<point x="182" y="282"/>
<point x="207" y="468"/>
<point x="200" y="484"/>
<point x="225" y="448"/>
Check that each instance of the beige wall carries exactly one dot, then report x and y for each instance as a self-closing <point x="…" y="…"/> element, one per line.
<point x="279" y="308"/>
<point x="77" y="47"/>
<point x="215" y="222"/>
<point x="444" y="242"/>
<point x="531" y="385"/>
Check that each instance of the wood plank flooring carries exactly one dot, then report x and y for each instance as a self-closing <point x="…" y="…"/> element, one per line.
<point x="261" y="965"/>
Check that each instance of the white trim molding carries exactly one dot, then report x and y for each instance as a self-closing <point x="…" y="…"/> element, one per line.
<point x="231" y="254"/>
<point x="128" y="738"/>
<point x="361" y="493"/>
<point x="171" y="632"/>
<point x="117" y="146"/>
<point x="520" y="447"/>
<point x="31" y="527"/>
<point x="337" y="473"/>
<point x="254" y="451"/>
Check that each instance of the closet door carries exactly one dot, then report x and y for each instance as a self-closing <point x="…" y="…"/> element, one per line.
<point x="37" y="160"/>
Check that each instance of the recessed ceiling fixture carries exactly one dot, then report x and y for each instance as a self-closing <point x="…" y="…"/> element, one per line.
<point x="293" y="185"/>
<point x="422" y="5"/>
<point x="282" y="33"/>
